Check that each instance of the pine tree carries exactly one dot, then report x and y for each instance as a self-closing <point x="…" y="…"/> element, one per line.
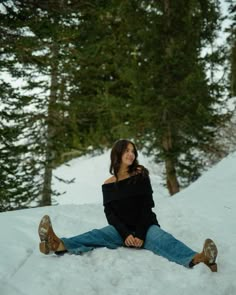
<point x="38" y="51"/>
<point x="232" y="45"/>
<point x="17" y="174"/>
<point x="72" y="97"/>
<point x="175" y="103"/>
<point x="104" y="51"/>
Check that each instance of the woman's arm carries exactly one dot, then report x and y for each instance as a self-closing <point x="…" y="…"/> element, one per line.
<point x="115" y="221"/>
<point x="147" y="217"/>
<point x="144" y="223"/>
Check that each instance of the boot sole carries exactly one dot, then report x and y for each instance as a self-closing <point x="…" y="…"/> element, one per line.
<point x="43" y="231"/>
<point x="43" y="228"/>
<point x="210" y="251"/>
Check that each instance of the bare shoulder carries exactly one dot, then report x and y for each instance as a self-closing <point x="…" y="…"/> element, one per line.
<point x="110" y="180"/>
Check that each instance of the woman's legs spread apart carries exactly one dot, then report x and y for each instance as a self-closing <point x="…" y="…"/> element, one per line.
<point x="164" y="244"/>
<point x="105" y="237"/>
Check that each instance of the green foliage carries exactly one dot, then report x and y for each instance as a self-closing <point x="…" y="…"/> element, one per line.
<point x="92" y="72"/>
<point x="17" y="174"/>
<point x="176" y="103"/>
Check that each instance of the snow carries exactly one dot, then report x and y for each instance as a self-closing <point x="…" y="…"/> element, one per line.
<point x="205" y="209"/>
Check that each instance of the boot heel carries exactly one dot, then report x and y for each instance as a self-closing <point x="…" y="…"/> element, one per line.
<point x="212" y="266"/>
<point x="43" y="247"/>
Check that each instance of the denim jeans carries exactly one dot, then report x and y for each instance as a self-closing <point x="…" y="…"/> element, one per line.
<point x="157" y="240"/>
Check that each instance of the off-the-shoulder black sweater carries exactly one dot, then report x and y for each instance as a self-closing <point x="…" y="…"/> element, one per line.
<point x="128" y="206"/>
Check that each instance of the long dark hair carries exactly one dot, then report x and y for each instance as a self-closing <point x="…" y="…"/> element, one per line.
<point x="117" y="151"/>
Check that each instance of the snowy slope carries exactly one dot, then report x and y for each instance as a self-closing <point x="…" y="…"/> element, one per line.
<point x="205" y="209"/>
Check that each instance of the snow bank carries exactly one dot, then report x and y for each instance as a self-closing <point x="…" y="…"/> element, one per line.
<point x="205" y="209"/>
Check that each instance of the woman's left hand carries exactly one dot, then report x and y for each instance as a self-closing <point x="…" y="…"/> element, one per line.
<point x="138" y="243"/>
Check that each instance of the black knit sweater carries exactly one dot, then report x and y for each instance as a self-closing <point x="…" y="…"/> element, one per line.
<point x="128" y="206"/>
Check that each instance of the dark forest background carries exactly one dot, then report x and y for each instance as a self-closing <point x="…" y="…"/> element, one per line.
<point x="78" y="75"/>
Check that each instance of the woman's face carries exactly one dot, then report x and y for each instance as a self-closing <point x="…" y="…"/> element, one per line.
<point x="128" y="156"/>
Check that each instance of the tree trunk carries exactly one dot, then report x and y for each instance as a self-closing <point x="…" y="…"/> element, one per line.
<point x="51" y="131"/>
<point x="171" y="178"/>
<point x="167" y="139"/>
<point x="233" y="70"/>
<point x="46" y="193"/>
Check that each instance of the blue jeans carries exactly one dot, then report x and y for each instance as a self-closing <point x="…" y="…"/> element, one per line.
<point x="157" y="240"/>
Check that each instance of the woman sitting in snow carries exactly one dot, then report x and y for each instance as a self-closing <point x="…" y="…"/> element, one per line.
<point x="128" y="203"/>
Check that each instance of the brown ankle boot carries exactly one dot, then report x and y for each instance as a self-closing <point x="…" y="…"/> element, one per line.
<point x="49" y="240"/>
<point x="207" y="256"/>
<point x="210" y="253"/>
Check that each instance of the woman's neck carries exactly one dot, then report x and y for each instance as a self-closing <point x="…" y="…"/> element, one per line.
<point x="123" y="173"/>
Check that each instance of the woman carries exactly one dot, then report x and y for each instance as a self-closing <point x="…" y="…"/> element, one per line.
<point x="128" y="203"/>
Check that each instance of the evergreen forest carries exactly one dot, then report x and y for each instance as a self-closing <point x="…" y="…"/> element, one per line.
<point x="78" y="75"/>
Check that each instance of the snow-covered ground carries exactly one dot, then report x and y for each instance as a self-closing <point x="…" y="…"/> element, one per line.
<point x="205" y="209"/>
